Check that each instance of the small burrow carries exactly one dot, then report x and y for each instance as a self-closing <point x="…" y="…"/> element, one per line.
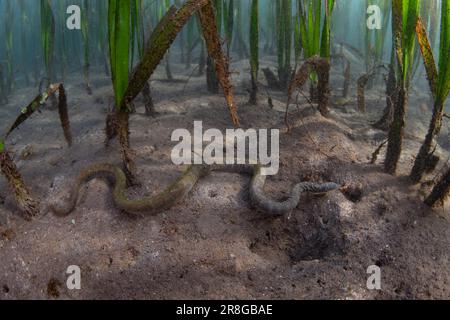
<point x="53" y="288"/>
<point x="212" y="193"/>
<point x="353" y="193"/>
<point x="319" y="244"/>
<point x="7" y="234"/>
<point x="302" y="238"/>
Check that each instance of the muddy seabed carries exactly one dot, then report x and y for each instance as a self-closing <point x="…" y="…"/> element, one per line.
<point x="214" y="245"/>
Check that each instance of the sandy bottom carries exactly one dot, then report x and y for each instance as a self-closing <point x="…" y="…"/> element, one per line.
<point x="214" y="245"/>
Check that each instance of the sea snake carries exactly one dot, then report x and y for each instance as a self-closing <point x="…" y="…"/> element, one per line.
<point x="178" y="190"/>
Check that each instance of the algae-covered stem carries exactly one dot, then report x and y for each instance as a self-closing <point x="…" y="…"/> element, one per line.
<point x="9" y="43"/>
<point x="22" y="194"/>
<point x="440" y="191"/>
<point x="284" y="41"/>
<point x="361" y="87"/>
<point x="403" y="25"/>
<point x="48" y="37"/>
<point x="210" y="33"/>
<point x="25" y="201"/>
<point x="160" y="41"/>
<point x="320" y="66"/>
<point x="439" y="80"/>
<point x="212" y="82"/>
<point x="391" y="91"/>
<point x="228" y="19"/>
<point x="254" y="51"/>
<point x="164" y="35"/>
<point x="86" y="37"/>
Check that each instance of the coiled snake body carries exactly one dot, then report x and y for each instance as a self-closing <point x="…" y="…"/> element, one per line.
<point x="178" y="190"/>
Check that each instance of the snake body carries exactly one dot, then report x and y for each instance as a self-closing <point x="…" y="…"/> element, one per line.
<point x="178" y="190"/>
<point x="261" y="202"/>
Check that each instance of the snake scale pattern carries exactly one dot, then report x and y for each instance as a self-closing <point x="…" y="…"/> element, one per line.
<point x="178" y="190"/>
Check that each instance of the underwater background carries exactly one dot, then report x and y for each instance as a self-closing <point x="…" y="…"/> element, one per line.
<point x="357" y="88"/>
<point x="24" y="28"/>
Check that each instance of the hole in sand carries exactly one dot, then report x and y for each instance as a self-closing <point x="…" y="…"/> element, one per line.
<point x="353" y="193"/>
<point x="301" y="238"/>
<point x="52" y="288"/>
<point x="320" y="244"/>
<point x="212" y="193"/>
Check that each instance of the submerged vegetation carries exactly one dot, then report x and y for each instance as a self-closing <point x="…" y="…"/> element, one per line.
<point x="25" y="201"/>
<point x="404" y="20"/>
<point x="130" y="39"/>
<point x="85" y="35"/>
<point x="48" y="37"/>
<point x="9" y="20"/>
<point x="254" y="50"/>
<point x="439" y="80"/>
